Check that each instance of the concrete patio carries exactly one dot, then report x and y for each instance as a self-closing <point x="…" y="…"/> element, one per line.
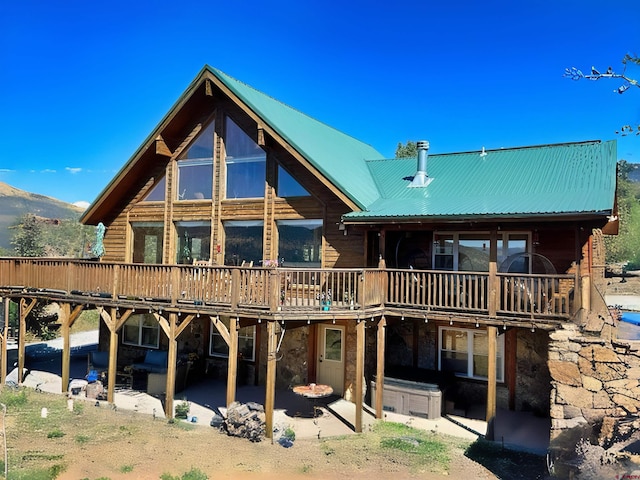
<point x="334" y="415"/>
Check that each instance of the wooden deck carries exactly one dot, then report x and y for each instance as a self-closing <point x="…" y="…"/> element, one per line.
<point x="285" y="293"/>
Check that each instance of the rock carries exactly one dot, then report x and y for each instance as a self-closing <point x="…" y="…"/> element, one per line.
<point x="246" y="422"/>
<point x="565" y="372"/>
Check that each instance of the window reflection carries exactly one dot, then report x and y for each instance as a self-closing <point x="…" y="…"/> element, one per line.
<point x="245" y="162"/>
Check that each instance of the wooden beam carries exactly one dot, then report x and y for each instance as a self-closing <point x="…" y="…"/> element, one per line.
<point x="65" y="314"/>
<point x="171" y="364"/>
<point x="261" y="136"/>
<point x="161" y="147"/>
<point x="113" y="360"/>
<point x="492" y="337"/>
<point x="164" y="324"/>
<point x="24" y="309"/>
<point x="221" y="328"/>
<point x="184" y="324"/>
<point x="360" y="331"/>
<point x="5" y="334"/>
<point x="208" y="88"/>
<point x="269" y="401"/>
<point x="382" y="324"/>
<point x="232" y="368"/>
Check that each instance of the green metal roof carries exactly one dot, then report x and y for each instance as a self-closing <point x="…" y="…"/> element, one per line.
<point x="338" y="156"/>
<point x="563" y="179"/>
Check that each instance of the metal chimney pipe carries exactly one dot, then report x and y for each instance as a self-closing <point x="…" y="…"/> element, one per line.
<point x="421" y="179"/>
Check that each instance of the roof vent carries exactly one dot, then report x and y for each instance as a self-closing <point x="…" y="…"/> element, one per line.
<point x="421" y="179"/>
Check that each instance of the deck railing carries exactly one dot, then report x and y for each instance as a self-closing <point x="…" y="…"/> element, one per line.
<point x="515" y="294"/>
<point x="288" y="289"/>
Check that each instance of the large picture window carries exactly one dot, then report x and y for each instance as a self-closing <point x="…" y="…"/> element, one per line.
<point x="147" y="242"/>
<point x="243" y="242"/>
<point x="194" y="241"/>
<point x="245" y="162"/>
<point x="465" y="352"/>
<point x="195" y="168"/>
<point x="469" y="252"/>
<point x="300" y="243"/>
<point x="142" y="331"/>
<point x="246" y="342"/>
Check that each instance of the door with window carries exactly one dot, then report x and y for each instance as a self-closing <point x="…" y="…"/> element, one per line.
<point x="330" y="367"/>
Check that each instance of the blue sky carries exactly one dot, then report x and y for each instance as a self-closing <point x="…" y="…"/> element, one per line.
<point x="83" y="83"/>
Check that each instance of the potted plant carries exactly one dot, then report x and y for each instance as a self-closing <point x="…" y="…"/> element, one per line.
<point x="182" y="409"/>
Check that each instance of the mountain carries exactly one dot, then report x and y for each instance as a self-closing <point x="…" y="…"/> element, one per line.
<point x="14" y="203"/>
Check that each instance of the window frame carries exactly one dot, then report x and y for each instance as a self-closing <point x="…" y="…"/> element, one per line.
<point x="139" y="318"/>
<point x="241" y="336"/>
<point x="500" y="352"/>
<point x="503" y="238"/>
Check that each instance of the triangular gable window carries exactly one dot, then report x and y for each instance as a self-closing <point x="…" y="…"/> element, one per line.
<point x="289" y="186"/>
<point x="157" y="192"/>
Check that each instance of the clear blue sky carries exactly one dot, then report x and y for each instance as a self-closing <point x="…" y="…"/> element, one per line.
<point x="83" y="83"/>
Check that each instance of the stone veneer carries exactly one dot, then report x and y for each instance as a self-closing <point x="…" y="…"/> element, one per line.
<point x="594" y="381"/>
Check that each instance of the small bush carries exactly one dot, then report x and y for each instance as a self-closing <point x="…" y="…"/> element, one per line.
<point x="194" y="474"/>
<point x="55" y="434"/>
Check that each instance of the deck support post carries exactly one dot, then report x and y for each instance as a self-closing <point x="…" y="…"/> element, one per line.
<point x="24" y="310"/>
<point x="113" y="357"/>
<point x="232" y="369"/>
<point x="492" y="337"/>
<point x="360" y="332"/>
<point x="5" y="335"/>
<point x="382" y="324"/>
<point x="269" y="402"/>
<point x="65" y="320"/>
<point x="172" y="359"/>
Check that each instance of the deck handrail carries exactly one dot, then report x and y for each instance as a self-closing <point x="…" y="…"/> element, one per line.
<point x="297" y="289"/>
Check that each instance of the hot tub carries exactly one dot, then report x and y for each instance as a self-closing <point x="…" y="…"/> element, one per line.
<point x="409" y="398"/>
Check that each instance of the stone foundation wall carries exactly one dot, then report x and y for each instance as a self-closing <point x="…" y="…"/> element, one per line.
<point x="532" y="372"/>
<point x="594" y="380"/>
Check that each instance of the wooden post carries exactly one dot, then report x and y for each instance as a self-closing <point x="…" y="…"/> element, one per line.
<point x="235" y="288"/>
<point x="172" y="359"/>
<point x="360" y="331"/>
<point x="65" y="314"/>
<point x="492" y="337"/>
<point x="232" y="369"/>
<point x="5" y="337"/>
<point x="271" y="378"/>
<point x="113" y="356"/>
<point x="382" y="324"/>
<point x="493" y="283"/>
<point x="22" y="332"/>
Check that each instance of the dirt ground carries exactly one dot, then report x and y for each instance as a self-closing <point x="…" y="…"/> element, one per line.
<point x="100" y="443"/>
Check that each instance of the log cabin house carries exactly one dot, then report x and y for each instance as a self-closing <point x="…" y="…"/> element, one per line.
<point x="244" y="229"/>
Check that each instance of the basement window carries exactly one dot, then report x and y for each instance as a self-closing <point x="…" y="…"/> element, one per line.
<point x="141" y="330"/>
<point x="465" y="352"/>
<point x="246" y="342"/>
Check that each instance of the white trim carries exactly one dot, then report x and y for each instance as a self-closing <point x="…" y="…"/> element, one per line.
<point x="470" y="354"/>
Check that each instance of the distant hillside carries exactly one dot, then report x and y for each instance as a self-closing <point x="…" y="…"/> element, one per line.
<point x="14" y="203"/>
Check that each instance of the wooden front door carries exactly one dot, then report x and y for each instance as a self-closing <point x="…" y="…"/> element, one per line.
<point x="331" y="357"/>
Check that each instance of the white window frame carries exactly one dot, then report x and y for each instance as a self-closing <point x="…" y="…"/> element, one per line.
<point x="470" y="354"/>
<point x="139" y="318"/>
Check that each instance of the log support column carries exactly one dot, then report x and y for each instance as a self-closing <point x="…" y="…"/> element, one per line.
<point x="382" y="325"/>
<point x="360" y="333"/>
<point x="270" y="393"/>
<point x="492" y="336"/>
<point x="232" y="372"/>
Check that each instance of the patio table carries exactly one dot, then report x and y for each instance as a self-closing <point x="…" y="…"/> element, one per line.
<point x="313" y="392"/>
